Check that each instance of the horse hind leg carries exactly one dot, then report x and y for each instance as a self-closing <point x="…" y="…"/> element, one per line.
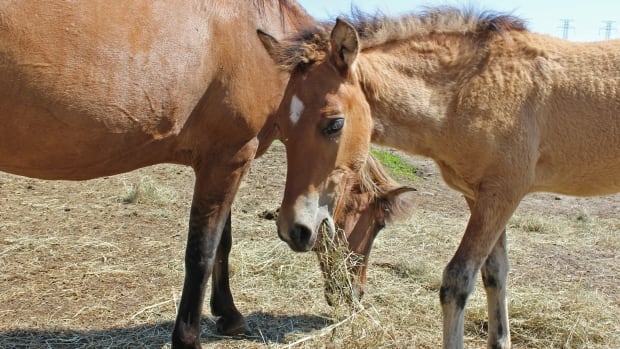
<point x="484" y="229"/>
<point x="231" y="322"/>
<point x="494" y="275"/>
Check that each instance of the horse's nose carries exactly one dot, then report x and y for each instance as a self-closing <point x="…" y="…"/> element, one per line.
<point x="300" y="238"/>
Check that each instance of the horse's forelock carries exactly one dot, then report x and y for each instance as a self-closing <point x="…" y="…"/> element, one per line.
<point x="375" y="180"/>
<point x="307" y="47"/>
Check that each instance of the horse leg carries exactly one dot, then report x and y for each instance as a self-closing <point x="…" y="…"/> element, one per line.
<point x="494" y="275"/>
<point x="231" y="322"/>
<point x="489" y="215"/>
<point x="217" y="181"/>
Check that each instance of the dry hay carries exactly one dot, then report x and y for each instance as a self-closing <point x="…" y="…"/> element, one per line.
<point x="337" y="265"/>
<point x="81" y="269"/>
<point x="349" y="317"/>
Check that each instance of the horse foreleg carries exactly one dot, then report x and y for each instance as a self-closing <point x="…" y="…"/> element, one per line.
<point x="456" y="286"/>
<point x="217" y="181"/>
<point x="203" y="239"/>
<point x="488" y="218"/>
<point x="494" y="275"/>
<point x="231" y="322"/>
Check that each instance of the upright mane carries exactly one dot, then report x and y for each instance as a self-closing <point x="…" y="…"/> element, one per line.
<point x="312" y="45"/>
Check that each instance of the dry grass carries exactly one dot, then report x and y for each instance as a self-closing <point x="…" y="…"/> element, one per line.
<point x="337" y="264"/>
<point x="81" y="269"/>
<point x="148" y="190"/>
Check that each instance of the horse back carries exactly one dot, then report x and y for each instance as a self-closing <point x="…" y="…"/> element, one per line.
<point x="546" y="109"/>
<point x="571" y="113"/>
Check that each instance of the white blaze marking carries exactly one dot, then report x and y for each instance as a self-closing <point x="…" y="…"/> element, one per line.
<point x="297" y="107"/>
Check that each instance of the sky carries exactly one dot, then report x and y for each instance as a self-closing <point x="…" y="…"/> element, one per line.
<point x="586" y="19"/>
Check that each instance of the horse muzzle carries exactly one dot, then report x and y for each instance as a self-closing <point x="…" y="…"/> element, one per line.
<point x="301" y="238"/>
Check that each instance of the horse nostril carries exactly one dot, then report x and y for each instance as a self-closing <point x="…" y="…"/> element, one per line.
<point x="300" y="235"/>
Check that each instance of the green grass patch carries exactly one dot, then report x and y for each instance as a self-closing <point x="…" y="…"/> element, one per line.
<point x="395" y="164"/>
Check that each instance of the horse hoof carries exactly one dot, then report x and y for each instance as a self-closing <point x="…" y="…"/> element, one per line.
<point x="178" y="344"/>
<point x="233" y="327"/>
<point x="186" y="346"/>
<point x="184" y="337"/>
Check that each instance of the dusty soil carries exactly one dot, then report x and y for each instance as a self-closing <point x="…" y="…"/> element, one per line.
<point x="100" y="263"/>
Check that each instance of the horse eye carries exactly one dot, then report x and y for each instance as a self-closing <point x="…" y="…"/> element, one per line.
<point x="334" y="127"/>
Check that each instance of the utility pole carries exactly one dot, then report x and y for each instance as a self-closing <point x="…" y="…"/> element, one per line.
<point x="565" y="27"/>
<point x="609" y="27"/>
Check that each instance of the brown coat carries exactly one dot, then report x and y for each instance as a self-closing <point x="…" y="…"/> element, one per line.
<point x="96" y="88"/>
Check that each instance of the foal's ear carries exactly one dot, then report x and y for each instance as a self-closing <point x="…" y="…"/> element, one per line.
<point x="269" y="42"/>
<point x="345" y="44"/>
<point x="397" y="205"/>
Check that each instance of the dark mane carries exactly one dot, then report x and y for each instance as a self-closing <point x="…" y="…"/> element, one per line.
<point x="312" y="45"/>
<point x="377" y="30"/>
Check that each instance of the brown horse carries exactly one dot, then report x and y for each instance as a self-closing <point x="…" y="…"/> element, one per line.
<point x="96" y="88"/>
<point x="503" y="112"/>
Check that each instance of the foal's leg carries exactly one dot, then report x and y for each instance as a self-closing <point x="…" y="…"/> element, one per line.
<point x="217" y="181"/>
<point x="231" y="321"/>
<point x="494" y="275"/>
<point x="489" y="215"/>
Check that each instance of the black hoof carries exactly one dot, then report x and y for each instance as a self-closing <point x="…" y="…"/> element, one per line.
<point x="184" y="343"/>
<point x="235" y="326"/>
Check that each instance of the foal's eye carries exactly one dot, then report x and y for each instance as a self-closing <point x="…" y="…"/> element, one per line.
<point x="334" y="126"/>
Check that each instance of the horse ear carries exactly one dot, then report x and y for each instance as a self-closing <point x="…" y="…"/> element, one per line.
<point x="345" y="45"/>
<point x="269" y="42"/>
<point x="398" y="206"/>
<point x="400" y="190"/>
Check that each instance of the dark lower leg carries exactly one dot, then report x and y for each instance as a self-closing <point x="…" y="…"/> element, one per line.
<point x="231" y="322"/>
<point x="199" y="259"/>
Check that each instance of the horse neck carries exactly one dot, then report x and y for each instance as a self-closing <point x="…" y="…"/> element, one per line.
<point x="252" y="82"/>
<point x="282" y="17"/>
<point x="410" y="87"/>
<point x="292" y="18"/>
<point x="279" y="18"/>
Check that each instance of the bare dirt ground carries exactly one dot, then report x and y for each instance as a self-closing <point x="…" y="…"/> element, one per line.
<point x="99" y="264"/>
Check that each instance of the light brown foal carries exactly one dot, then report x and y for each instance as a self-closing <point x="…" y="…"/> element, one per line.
<point x="503" y="112"/>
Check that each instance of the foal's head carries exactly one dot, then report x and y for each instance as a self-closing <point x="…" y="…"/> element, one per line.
<point x="325" y="123"/>
<point x="370" y="199"/>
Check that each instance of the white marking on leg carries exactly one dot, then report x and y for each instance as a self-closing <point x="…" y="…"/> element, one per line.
<point x="297" y="107"/>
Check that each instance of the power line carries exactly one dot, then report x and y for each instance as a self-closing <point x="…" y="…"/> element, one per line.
<point x="608" y="28"/>
<point x="565" y="27"/>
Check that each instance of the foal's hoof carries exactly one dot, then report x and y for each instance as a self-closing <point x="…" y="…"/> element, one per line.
<point x="235" y="326"/>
